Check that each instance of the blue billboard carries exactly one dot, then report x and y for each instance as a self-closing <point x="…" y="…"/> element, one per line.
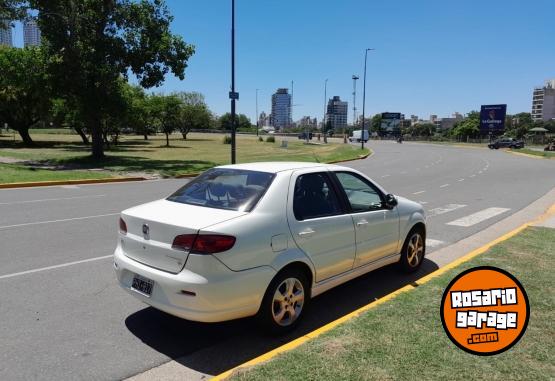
<point x="492" y="119"/>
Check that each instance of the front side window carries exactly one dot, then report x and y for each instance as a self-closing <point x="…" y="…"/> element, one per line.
<point x="362" y="196"/>
<point x="314" y="197"/>
<point x="225" y="188"/>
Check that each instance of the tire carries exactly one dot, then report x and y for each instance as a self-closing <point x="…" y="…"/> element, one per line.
<point x="410" y="261"/>
<point x="279" y="317"/>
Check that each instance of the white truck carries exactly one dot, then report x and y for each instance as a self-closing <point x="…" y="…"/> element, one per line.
<point x="358" y="136"/>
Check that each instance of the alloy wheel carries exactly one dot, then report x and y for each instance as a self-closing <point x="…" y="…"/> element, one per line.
<point x="288" y="302"/>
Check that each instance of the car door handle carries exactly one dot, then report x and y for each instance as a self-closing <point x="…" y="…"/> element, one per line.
<point x="362" y="223"/>
<point x="306" y="232"/>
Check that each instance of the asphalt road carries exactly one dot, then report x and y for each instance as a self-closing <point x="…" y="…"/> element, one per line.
<point x="64" y="317"/>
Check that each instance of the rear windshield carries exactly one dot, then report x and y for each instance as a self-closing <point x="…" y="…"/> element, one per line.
<point x="222" y="188"/>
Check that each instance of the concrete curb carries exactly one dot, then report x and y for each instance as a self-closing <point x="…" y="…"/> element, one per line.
<point x="360" y="157"/>
<point x="69" y="182"/>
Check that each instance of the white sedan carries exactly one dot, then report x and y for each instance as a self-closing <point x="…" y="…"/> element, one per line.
<point x="263" y="239"/>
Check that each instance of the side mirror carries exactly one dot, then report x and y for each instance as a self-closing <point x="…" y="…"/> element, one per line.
<point x="390" y="201"/>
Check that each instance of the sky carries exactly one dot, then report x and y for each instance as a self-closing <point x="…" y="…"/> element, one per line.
<point x="430" y="57"/>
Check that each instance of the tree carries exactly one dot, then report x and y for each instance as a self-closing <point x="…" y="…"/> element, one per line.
<point x="470" y="126"/>
<point x="193" y="117"/>
<point x="422" y="129"/>
<point x="93" y="43"/>
<point x="165" y="111"/>
<point x="194" y="113"/>
<point x="139" y="118"/>
<point x="519" y="124"/>
<point x="241" y="121"/>
<point x="65" y="113"/>
<point x="24" y="89"/>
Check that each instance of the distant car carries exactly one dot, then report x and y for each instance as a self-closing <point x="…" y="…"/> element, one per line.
<point x="303" y="135"/>
<point x="263" y="239"/>
<point x="506" y="143"/>
<point x="358" y="136"/>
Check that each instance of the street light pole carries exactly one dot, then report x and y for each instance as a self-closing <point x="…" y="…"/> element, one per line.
<point x="364" y="98"/>
<point x="355" y="77"/>
<point x="233" y="95"/>
<point x="257" y="112"/>
<point x="325" y="109"/>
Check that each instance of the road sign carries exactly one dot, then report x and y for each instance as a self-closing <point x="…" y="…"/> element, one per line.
<point x="233" y="95"/>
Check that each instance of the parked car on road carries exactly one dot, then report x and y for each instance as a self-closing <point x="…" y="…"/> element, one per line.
<point x="263" y="239"/>
<point x="506" y="143"/>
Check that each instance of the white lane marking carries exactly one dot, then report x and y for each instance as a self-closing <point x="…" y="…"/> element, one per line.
<point x="480" y="172"/>
<point x="433" y="242"/>
<point x="422" y="202"/>
<point x="460" y="180"/>
<point x="70" y="186"/>
<point x="472" y="175"/>
<point x="54" y="267"/>
<point x="385" y="176"/>
<point x="478" y="217"/>
<point x="444" y="185"/>
<point x="63" y="220"/>
<point x="444" y="209"/>
<point x="51" y="199"/>
<point x="419" y="192"/>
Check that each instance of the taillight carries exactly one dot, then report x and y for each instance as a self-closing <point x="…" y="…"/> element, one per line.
<point x="184" y="242"/>
<point x="212" y="243"/>
<point x="122" y="226"/>
<point x="203" y="243"/>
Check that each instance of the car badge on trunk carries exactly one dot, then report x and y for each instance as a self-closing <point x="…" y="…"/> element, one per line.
<point x="146" y="231"/>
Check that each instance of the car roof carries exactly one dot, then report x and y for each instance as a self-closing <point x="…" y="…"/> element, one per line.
<point x="279" y="166"/>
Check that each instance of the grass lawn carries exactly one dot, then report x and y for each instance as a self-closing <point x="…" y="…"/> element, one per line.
<point x="199" y="152"/>
<point x="545" y="154"/>
<point x="12" y="173"/>
<point x="403" y="339"/>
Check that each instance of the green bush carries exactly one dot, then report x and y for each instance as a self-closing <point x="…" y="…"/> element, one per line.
<point x="260" y="139"/>
<point x="270" y="139"/>
<point x="227" y="139"/>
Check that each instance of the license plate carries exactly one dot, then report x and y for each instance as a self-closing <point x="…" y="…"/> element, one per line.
<point x="142" y="285"/>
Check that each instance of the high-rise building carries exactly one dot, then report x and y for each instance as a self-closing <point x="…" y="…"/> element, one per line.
<point x="307" y="121"/>
<point x="281" y="109"/>
<point x="337" y="113"/>
<point x="543" y="102"/>
<point x="6" y="33"/>
<point x="31" y="33"/>
<point x="263" y="119"/>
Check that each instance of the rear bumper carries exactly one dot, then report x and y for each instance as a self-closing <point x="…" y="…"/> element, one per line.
<point x="220" y="293"/>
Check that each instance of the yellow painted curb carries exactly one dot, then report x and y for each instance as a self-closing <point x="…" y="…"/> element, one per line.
<point x="69" y="182"/>
<point x="311" y="335"/>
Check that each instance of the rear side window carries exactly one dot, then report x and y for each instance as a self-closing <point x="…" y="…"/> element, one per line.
<point x="223" y="188"/>
<point x="314" y="197"/>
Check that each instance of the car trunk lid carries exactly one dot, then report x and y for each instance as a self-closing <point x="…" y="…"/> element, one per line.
<point x="152" y="227"/>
